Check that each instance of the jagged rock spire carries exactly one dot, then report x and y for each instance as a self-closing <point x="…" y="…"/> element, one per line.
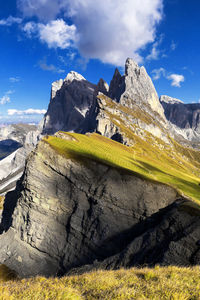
<point x="102" y="87"/>
<point x="116" y="86"/>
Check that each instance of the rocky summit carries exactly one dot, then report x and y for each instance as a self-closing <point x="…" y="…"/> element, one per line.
<point x="71" y="99"/>
<point x="119" y="189"/>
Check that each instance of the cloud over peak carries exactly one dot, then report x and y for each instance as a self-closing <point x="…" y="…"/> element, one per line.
<point x="108" y="30"/>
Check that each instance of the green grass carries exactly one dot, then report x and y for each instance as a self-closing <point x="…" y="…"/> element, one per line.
<point x="159" y="284"/>
<point x="143" y="159"/>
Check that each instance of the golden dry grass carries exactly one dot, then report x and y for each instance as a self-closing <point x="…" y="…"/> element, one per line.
<point x="1" y="201"/>
<point x="158" y="283"/>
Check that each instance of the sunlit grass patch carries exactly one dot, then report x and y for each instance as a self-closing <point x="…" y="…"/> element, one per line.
<point x="143" y="159"/>
<point x="156" y="283"/>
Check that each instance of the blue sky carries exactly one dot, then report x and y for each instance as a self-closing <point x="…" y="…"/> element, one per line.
<point x="42" y="40"/>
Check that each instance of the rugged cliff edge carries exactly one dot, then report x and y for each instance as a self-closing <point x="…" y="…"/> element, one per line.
<point x="67" y="213"/>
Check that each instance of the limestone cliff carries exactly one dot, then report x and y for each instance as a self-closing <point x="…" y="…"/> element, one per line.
<point x="71" y="98"/>
<point x="185" y="118"/>
<point x="135" y="87"/>
<point x="68" y="213"/>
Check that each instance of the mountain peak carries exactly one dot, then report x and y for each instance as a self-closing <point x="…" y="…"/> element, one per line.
<point x="170" y="100"/>
<point x="130" y="66"/>
<point x="74" y="76"/>
<point x="102" y="87"/>
<point x="116" y="86"/>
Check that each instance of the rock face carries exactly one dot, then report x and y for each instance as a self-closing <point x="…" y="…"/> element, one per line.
<point x="12" y="166"/>
<point x="124" y="106"/>
<point x="71" y="99"/>
<point x="184" y="117"/>
<point x="169" y="100"/>
<point x="74" y="101"/>
<point x="13" y="137"/>
<point x="68" y="213"/>
<point x="135" y="87"/>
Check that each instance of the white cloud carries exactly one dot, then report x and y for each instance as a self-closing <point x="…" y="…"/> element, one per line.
<point x="5" y="99"/>
<point x="176" y="79"/>
<point x="14" y="79"/>
<point x="10" y="21"/>
<point x="157" y="73"/>
<point x="29" y="111"/>
<point x="30" y="28"/>
<point x="155" y="52"/>
<point x="109" y="30"/>
<point x="56" y="33"/>
<point x="43" y="9"/>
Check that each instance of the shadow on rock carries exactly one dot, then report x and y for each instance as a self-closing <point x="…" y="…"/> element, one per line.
<point x="10" y="203"/>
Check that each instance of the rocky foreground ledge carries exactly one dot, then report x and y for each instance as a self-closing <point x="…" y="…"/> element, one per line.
<point x="67" y="214"/>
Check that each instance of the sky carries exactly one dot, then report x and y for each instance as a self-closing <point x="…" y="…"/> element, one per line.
<point x="43" y="40"/>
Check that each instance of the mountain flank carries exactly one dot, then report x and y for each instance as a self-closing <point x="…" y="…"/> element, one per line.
<point x="121" y="189"/>
<point x="74" y="207"/>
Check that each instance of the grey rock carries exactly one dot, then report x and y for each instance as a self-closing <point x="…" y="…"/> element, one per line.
<point x="170" y="100"/>
<point x="12" y="166"/>
<point x="101" y="87"/>
<point x="135" y="87"/>
<point x="66" y="214"/>
<point x="69" y="103"/>
<point x="117" y="86"/>
<point x="169" y="237"/>
<point x="185" y="116"/>
<point x="184" y="120"/>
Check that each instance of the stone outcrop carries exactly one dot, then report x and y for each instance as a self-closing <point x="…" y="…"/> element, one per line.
<point x="67" y="213"/>
<point x="71" y="99"/>
<point x="184" y="118"/>
<point x="12" y="166"/>
<point x="124" y="106"/>
<point x="12" y="137"/>
<point x="135" y="87"/>
<point x="164" y="99"/>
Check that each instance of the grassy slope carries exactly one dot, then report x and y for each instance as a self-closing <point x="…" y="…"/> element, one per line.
<point x="178" y="169"/>
<point x="158" y="283"/>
